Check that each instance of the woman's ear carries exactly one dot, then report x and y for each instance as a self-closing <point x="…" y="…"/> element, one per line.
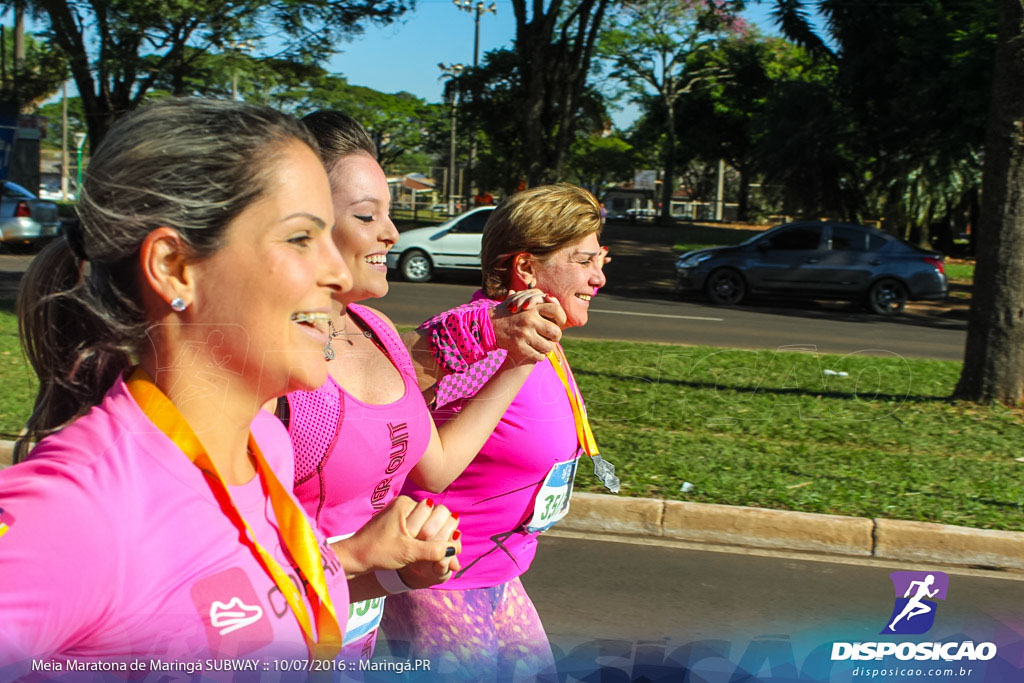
<point x="522" y="268"/>
<point x="163" y="258"/>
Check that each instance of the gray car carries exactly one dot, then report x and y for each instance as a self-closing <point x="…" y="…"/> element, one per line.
<point x="25" y="219"/>
<point x="822" y="260"/>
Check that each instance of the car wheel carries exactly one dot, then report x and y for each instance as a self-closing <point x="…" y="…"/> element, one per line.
<point x="887" y="296"/>
<point x="725" y="287"/>
<point x="415" y="266"/>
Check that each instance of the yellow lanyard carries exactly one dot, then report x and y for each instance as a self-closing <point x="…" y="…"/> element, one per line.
<point x="296" y="534"/>
<point x="579" y="412"/>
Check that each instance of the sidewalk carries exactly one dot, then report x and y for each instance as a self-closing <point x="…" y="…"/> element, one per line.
<point x="750" y="527"/>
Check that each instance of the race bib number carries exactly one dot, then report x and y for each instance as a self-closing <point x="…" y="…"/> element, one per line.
<point x="552" y="501"/>
<point x="363" y="617"/>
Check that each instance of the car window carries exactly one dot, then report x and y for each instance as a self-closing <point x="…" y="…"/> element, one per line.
<point x="795" y="238"/>
<point x="473" y="223"/>
<point x="875" y="242"/>
<point x="848" y="239"/>
<point x="10" y="190"/>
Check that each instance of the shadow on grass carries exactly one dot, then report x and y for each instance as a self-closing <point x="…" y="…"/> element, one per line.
<point x="8" y="305"/>
<point x="777" y="391"/>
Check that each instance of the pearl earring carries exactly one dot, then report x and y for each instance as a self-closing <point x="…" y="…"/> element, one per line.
<point x="178" y="304"/>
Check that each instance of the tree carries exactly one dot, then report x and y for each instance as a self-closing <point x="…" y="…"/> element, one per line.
<point x="774" y="115"/>
<point x="994" y="356"/>
<point x="39" y="77"/>
<point x="653" y="44"/>
<point x="553" y="48"/>
<point x="596" y="159"/>
<point x="492" y="102"/>
<point x="119" y="49"/>
<point x="54" y="123"/>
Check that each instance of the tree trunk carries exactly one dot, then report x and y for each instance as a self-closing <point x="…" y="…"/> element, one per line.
<point x="668" y="178"/>
<point x="994" y="357"/>
<point x="743" y="203"/>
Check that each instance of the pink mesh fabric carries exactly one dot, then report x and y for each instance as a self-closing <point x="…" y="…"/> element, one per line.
<point x="466" y="375"/>
<point x="321" y="413"/>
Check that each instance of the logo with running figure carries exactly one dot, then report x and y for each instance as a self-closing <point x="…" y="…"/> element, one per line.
<point x="916" y="593"/>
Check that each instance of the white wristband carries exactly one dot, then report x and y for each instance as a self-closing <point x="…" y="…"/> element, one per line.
<point x="391" y="581"/>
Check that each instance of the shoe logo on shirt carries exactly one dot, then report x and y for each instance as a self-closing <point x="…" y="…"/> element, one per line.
<point x="236" y="621"/>
<point x="233" y="615"/>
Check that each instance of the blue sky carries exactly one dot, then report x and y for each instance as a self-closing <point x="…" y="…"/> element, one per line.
<point x="404" y="56"/>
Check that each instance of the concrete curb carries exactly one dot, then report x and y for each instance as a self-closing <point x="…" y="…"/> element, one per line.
<point x="801" y="531"/>
<point x="889" y="539"/>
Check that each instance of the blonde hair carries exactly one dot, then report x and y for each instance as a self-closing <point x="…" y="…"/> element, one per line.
<point x="538" y="221"/>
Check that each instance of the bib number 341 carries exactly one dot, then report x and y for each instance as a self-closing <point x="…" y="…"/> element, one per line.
<point x="552" y="501"/>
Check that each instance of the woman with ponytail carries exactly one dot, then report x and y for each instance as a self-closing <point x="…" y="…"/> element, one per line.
<point x="153" y="520"/>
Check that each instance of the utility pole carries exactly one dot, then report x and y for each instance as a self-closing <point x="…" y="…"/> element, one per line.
<point x="452" y="73"/>
<point x="64" y="141"/>
<point x="477" y="9"/>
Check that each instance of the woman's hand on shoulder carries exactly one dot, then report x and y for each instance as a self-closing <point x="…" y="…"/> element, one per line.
<point x="528" y="324"/>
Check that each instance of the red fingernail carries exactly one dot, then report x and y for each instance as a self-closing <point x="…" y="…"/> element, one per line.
<point x="456" y="534"/>
<point x="455" y="515"/>
<point x="430" y="502"/>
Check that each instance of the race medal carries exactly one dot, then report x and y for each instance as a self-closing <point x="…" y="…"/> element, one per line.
<point x="552" y="501"/>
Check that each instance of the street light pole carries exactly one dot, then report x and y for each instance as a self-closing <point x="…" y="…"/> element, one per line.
<point x="79" y="144"/>
<point x="452" y="72"/>
<point x="477" y="9"/>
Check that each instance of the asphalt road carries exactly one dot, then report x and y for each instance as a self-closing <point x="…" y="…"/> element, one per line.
<point x="629" y="605"/>
<point x="828" y="328"/>
<point x="639" y="305"/>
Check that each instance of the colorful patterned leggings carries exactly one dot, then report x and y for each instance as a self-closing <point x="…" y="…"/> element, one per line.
<point x="472" y="634"/>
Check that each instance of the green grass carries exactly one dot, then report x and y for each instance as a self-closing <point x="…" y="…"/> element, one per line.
<point x="16" y="377"/>
<point x="960" y="272"/>
<point x="770" y="429"/>
<point x="767" y="429"/>
<point x="701" y="236"/>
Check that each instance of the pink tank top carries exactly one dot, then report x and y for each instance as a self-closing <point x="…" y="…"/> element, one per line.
<point x="495" y="495"/>
<point x="352" y="458"/>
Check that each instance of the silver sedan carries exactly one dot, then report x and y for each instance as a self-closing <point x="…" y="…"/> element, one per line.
<point x="24" y="218"/>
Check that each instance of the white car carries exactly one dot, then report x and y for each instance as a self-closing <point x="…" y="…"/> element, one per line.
<point x="453" y="244"/>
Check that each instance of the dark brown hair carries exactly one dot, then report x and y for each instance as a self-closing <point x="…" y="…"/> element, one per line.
<point x="189" y="164"/>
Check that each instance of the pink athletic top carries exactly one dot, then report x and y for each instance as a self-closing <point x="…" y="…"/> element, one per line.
<point x="351" y="458"/>
<point x="112" y="547"/>
<point x="495" y="495"/>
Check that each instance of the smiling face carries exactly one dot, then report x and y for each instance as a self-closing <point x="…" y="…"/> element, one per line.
<point x="572" y="274"/>
<point x="363" y="230"/>
<point x="263" y="299"/>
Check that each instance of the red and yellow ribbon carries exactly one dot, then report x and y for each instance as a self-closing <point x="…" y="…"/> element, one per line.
<point x="296" y="534"/>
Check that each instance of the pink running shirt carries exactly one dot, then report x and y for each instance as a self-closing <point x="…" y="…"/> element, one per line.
<point x="114" y="548"/>
<point x="352" y="458"/>
<point x="495" y="495"/>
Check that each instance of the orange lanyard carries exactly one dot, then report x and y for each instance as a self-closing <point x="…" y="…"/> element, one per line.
<point x="579" y="411"/>
<point x="296" y="534"/>
<point x="603" y="470"/>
